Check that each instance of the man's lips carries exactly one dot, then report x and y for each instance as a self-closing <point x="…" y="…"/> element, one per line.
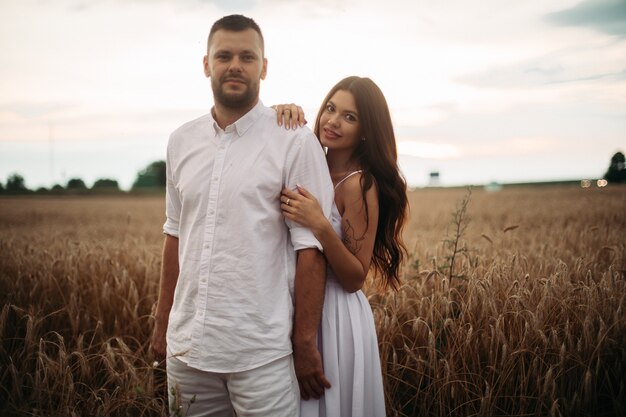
<point x="234" y="80"/>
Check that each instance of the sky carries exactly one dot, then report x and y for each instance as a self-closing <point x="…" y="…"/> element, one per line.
<point x="479" y="90"/>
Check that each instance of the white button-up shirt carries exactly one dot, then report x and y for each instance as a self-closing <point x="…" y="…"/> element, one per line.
<point x="233" y="304"/>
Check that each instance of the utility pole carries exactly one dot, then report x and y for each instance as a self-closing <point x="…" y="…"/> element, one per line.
<point x="51" y="143"/>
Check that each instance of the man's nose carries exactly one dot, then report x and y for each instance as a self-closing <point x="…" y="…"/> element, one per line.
<point x="235" y="65"/>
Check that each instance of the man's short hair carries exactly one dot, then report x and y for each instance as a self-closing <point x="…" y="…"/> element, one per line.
<point x="235" y="23"/>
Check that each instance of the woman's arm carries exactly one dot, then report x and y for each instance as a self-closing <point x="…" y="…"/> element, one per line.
<point x="349" y="257"/>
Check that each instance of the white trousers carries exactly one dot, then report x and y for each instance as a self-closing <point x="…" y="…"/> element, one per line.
<point x="269" y="390"/>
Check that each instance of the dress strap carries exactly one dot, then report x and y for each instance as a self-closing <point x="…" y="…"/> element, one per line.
<point x="347" y="176"/>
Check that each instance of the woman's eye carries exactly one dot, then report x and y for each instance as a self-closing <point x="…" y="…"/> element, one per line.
<point x="350" y="118"/>
<point x="329" y="108"/>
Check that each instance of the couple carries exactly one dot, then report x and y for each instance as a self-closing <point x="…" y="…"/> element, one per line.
<point x="266" y="250"/>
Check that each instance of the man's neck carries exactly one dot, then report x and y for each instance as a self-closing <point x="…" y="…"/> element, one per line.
<point x="226" y="116"/>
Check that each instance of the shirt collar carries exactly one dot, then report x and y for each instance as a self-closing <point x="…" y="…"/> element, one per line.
<point x="242" y="124"/>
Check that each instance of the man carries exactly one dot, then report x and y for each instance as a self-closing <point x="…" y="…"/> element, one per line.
<point x="226" y="300"/>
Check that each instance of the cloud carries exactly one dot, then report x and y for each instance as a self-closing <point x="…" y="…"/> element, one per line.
<point x="274" y="7"/>
<point x="585" y="63"/>
<point x="72" y="123"/>
<point x="227" y="5"/>
<point x="606" y="16"/>
<point x="30" y="110"/>
<point x="234" y="6"/>
<point x="231" y="4"/>
<point x="515" y="146"/>
<point x="535" y="73"/>
<point x="427" y="150"/>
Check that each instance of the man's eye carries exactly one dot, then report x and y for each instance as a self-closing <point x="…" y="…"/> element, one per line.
<point x="247" y="58"/>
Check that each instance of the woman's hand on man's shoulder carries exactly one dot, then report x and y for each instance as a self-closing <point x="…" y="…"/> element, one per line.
<point x="289" y="115"/>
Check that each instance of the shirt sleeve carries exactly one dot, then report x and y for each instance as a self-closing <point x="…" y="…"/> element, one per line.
<point x="307" y="167"/>
<point x="172" y="197"/>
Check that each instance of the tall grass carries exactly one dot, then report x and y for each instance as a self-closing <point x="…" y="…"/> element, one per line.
<point x="535" y="328"/>
<point x="78" y="278"/>
<point x="532" y="324"/>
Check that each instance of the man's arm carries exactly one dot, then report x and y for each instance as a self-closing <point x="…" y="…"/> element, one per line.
<point x="310" y="284"/>
<point x="167" y="285"/>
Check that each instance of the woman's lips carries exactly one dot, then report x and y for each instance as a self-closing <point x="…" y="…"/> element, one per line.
<point x="330" y="134"/>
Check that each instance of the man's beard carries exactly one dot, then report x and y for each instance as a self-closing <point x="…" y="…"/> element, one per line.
<point x="234" y="100"/>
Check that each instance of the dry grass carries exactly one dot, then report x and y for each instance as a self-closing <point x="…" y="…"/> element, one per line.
<point x="78" y="278"/>
<point x="536" y="327"/>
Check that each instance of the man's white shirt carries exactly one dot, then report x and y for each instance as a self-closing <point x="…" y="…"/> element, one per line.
<point x="233" y="304"/>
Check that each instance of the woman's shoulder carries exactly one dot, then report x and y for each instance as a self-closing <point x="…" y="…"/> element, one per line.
<point x="350" y="190"/>
<point x="348" y="181"/>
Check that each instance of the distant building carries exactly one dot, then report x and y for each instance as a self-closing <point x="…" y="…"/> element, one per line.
<point x="433" y="179"/>
<point x="493" y="186"/>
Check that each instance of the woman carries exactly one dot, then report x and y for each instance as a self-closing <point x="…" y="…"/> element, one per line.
<point x="364" y="232"/>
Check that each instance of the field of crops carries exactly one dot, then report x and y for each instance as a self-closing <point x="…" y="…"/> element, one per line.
<point x="511" y="305"/>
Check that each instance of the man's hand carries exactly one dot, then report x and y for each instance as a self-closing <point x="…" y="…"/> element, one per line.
<point x="158" y="343"/>
<point x="167" y="286"/>
<point x="309" y="371"/>
<point x="309" y="289"/>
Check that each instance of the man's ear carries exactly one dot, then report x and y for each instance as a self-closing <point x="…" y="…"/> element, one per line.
<point x="264" y="70"/>
<point x="205" y="64"/>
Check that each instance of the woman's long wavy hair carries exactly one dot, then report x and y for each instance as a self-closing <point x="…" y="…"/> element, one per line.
<point x="378" y="158"/>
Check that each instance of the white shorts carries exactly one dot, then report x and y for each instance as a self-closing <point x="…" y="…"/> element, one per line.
<point x="269" y="390"/>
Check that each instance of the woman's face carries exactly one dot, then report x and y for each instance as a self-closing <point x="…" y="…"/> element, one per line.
<point x="339" y="123"/>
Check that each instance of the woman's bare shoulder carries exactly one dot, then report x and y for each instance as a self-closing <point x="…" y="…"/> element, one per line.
<point x="350" y="191"/>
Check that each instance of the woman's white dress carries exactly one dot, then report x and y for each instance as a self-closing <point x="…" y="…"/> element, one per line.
<point x="349" y="348"/>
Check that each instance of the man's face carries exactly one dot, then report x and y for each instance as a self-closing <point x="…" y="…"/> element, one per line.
<point x="235" y="64"/>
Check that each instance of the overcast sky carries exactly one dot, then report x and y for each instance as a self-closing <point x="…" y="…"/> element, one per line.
<point x="479" y="90"/>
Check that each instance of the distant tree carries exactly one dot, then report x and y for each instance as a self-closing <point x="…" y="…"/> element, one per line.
<point x="152" y="176"/>
<point x="105" y="184"/>
<point x="57" y="188"/>
<point x="617" y="169"/>
<point x="76" y="184"/>
<point x="1" y="187"/>
<point x="15" y="183"/>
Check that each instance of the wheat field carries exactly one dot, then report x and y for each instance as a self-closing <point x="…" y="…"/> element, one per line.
<point x="512" y="305"/>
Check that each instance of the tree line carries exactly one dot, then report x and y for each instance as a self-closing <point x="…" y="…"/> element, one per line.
<point x="151" y="178"/>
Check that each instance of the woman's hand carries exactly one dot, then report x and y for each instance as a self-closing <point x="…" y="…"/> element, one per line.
<point x="303" y="208"/>
<point x="291" y="114"/>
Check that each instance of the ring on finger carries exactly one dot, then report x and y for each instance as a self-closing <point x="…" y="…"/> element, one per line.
<point x="288" y="200"/>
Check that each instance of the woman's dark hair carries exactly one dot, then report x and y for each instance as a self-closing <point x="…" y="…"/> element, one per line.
<point x="378" y="158"/>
